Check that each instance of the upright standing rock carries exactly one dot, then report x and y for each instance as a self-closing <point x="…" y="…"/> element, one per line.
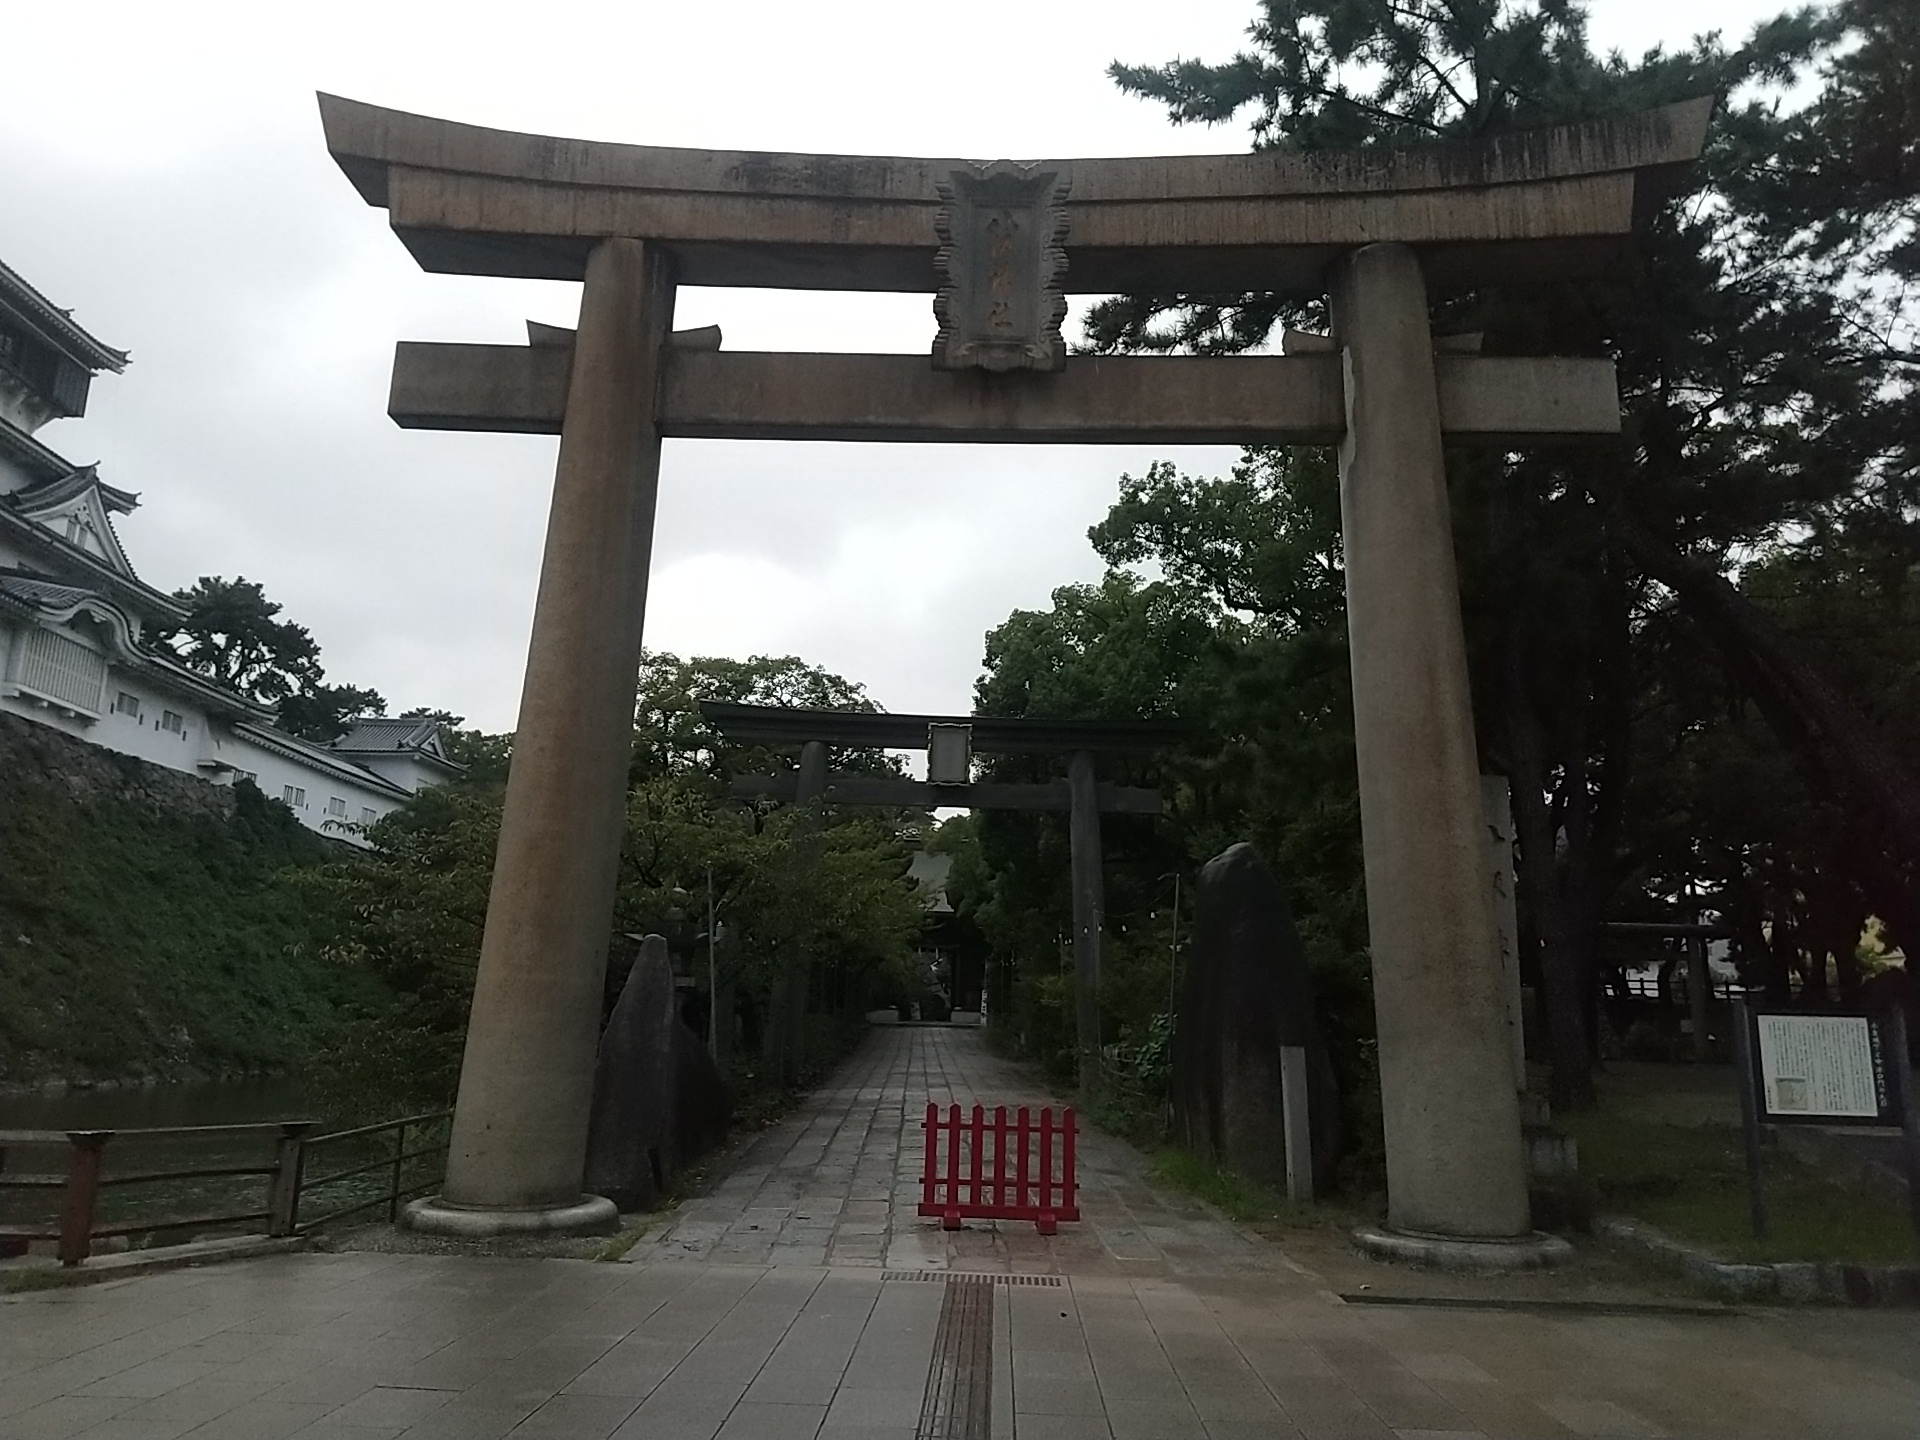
<point x="658" y="1100"/>
<point x="1247" y="994"/>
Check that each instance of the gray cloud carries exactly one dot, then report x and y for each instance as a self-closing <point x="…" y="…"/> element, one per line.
<point x="186" y="209"/>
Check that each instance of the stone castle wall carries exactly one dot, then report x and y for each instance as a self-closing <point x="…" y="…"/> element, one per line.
<point x="39" y="754"/>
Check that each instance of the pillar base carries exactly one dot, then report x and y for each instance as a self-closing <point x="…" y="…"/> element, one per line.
<point x="1536" y="1251"/>
<point x="589" y="1215"/>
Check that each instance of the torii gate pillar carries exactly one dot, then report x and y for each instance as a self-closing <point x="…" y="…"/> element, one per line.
<point x="526" y="1082"/>
<point x="1455" y="1164"/>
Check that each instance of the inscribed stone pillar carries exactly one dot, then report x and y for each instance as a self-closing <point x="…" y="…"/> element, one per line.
<point x="1455" y="1165"/>
<point x="1083" y="833"/>
<point x="526" y="1083"/>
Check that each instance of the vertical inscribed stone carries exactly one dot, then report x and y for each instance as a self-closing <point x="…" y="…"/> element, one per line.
<point x="658" y="1099"/>
<point x="1246" y="996"/>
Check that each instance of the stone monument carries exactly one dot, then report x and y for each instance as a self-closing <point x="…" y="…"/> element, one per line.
<point x="1246" y="994"/>
<point x="658" y="1099"/>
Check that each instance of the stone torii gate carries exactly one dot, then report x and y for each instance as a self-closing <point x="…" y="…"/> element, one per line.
<point x="999" y="247"/>
<point x="950" y="741"/>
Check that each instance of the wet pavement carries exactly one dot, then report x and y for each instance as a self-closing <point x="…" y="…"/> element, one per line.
<point x="803" y="1298"/>
<point x="838" y="1183"/>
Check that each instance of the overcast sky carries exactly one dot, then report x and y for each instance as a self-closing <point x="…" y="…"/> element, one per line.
<point x="162" y="174"/>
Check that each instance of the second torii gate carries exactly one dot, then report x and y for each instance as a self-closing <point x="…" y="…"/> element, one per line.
<point x="950" y="741"/>
<point x="999" y="247"/>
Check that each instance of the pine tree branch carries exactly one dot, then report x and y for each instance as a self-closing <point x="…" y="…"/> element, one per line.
<point x="1376" y="111"/>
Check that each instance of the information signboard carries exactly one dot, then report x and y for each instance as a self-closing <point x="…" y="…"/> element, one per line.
<point x="1823" y="1068"/>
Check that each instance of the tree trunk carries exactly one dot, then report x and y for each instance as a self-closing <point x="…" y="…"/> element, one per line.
<point x="1537" y="873"/>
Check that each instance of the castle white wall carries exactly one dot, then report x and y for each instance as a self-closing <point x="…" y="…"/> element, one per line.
<point x="336" y="805"/>
<point x="151" y="723"/>
<point x="143" y="719"/>
<point x="407" y="771"/>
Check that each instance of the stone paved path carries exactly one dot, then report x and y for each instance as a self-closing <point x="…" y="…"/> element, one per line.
<point x="837" y="1183"/>
<point x="1150" y="1320"/>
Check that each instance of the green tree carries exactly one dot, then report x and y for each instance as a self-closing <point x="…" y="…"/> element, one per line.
<point x="1242" y="635"/>
<point x="232" y="635"/>
<point x="323" y="713"/>
<point x="828" y="902"/>
<point x="1754" y="407"/>
<point x="673" y="738"/>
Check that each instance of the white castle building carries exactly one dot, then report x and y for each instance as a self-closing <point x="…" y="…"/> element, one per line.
<point x="75" y="621"/>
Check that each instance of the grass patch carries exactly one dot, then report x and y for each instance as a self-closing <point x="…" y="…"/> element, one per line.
<point x="619" y="1245"/>
<point x="1135" y="1119"/>
<point x="758" y="1100"/>
<point x="142" y="936"/>
<point x="1691" y="1182"/>
<point x="21" y="1282"/>
<point x="1238" y="1198"/>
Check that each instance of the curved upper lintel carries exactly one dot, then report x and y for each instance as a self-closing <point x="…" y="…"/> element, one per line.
<point x="472" y="200"/>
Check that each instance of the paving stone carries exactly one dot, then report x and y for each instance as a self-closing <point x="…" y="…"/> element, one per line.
<point x="64" y="1416"/>
<point x="750" y="1420"/>
<point x="853" y="1406"/>
<point x="575" y="1417"/>
<point x="1587" y="1416"/>
<point x="391" y="1405"/>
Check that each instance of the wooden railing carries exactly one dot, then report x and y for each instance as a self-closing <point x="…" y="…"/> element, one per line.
<point x="287" y="1182"/>
<point x="86" y="1177"/>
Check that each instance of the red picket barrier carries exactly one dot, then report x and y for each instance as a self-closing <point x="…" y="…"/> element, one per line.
<point x="1034" y="1191"/>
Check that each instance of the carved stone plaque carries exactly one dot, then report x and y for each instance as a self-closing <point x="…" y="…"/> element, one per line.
<point x="1000" y="305"/>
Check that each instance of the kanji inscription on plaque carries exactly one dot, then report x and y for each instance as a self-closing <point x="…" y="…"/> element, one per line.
<point x="1000" y="304"/>
<point x="1815" y="1066"/>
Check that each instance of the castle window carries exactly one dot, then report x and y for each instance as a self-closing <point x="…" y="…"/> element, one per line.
<point x="62" y="670"/>
<point x="367" y="817"/>
<point x="173" y="722"/>
<point x="337" y="807"/>
<point x="294" y="796"/>
<point x="127" y="705"/>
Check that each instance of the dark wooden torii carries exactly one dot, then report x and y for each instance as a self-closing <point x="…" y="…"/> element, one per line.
<point x="1082" y="796"/>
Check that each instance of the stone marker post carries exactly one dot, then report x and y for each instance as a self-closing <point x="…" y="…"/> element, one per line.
<point x="1455" y="1164"/>
<point x="1496" y="803"/>
<point x="1083" y="833"/>
<point x="1699" y="997"/>
<point x="526" y="1083"/>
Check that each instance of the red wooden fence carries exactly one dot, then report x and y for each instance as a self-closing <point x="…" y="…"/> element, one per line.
<point x="978" y="1185"/>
